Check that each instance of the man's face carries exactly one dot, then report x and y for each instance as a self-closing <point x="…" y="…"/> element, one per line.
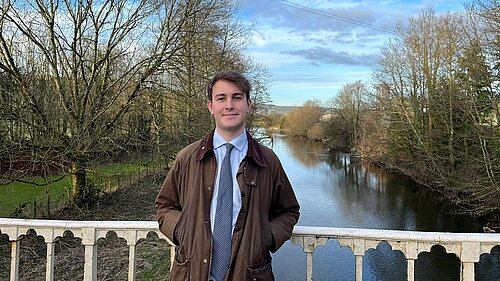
<point x="229" y="107"/>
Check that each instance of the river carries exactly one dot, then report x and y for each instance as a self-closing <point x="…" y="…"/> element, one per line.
<point x="335" y="191"/>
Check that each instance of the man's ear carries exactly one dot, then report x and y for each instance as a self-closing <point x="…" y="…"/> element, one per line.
<point x="209" y="106"/>
<point x="249" y="105"/>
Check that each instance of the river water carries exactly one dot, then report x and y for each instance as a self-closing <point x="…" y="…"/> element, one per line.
<point x="335" y="191"/>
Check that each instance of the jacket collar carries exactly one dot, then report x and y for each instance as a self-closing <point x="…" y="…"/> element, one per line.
<point x="254" y="152"/>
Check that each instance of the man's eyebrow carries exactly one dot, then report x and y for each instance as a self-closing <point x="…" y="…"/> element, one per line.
<point x="219" y="94"/>
<point x="224" y="93"/>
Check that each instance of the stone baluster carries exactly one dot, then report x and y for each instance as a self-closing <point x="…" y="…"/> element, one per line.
<point x="469" y="255"/>
<point x="90" y="266"/>
<point x="131" y="236"/>
<point x="309" y="245"/>
<point x="14" y="259"/>
<point x="411" y="253"/>
<point x="48" y="235"/>
<point x="49" y="270"/>
<point x="359" y="251"/>
<point x="309" y="262"/>
<point x="131" y="262"/>
<point x="13" y="233"/>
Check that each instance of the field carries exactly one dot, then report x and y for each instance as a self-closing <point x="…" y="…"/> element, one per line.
<point x="134" y="202"/>
<point x="38" y="197"/>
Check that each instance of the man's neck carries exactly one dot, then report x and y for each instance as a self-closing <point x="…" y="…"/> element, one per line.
<point x="230" y="135"/>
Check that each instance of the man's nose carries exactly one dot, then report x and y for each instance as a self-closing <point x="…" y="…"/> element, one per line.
<point x="229" y="104"/>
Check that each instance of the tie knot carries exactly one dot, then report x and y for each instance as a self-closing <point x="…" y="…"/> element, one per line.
<point x="229" y="147"/>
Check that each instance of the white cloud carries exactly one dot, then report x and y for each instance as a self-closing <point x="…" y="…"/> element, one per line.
<point x="276" y="60"/>
<point x="321" y="49"/>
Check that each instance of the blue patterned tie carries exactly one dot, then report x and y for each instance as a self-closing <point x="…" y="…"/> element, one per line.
<point x="223" y="225"/>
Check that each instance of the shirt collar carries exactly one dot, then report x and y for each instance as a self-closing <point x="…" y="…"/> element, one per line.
<point x="239" y="142"/>
<point x="254" y="151"/>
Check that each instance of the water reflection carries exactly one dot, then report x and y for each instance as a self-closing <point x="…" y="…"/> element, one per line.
<point x="393" y="267"/>
<point x="335" y="191"/>
<point x="445" y="266"/>
<point x="310" y="154"/>
<point x="359" y="195"/>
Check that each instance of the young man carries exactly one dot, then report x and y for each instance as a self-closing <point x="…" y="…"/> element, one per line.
<point x="226" y="202"/>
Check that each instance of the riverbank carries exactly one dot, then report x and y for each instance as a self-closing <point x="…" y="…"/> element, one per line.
<point x="490" y="220"/>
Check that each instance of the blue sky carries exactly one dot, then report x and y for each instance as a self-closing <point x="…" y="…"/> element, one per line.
<point x="312" y="48"/>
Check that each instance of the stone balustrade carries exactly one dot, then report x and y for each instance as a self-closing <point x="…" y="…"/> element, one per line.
<point x="466" y="246"/>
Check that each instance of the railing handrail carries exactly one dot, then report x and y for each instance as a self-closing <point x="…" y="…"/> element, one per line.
<point x="298" y="230"/>
<point x="142" y="225"/>
<point x="386" y="234"/>
<point x="330" y="232"/>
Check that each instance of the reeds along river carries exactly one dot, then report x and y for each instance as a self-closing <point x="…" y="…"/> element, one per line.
<point x="335" y="191"/>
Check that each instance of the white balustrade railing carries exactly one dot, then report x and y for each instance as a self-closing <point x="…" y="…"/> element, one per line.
<point x="466" y="246"/>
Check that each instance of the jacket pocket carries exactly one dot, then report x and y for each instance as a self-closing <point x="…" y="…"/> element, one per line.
<point x="180" y="228"/>
<point x="261" y="272"/>
<point x="267" y="235"/>
<point x="180" y="267"/>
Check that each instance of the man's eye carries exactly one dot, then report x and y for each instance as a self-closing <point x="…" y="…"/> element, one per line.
<point x="220" y="99"/>
<point x="238" y="98"/>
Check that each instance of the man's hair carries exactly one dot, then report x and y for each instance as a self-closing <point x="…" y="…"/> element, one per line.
<point x="232" y="77"/>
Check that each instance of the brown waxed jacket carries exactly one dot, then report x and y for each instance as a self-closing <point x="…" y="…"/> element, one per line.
<point x="268" y="213"/>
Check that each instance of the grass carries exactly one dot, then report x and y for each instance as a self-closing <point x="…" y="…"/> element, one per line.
<point x="154" y="261"/>
<point x="133" y="202"/>
<point x="121" y="168"/>
<point x="19" y="195"/>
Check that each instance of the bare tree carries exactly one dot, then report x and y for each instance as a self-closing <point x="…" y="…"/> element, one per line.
<point x="212" y="43"/>
<point x="74" y="72"/>
<point x="261" y="100"/>
<point x="301" y="119"/>
<point x="440" y="104"/>
<point x="351" y="104"/>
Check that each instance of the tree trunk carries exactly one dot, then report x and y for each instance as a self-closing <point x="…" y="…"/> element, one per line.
<point x="79" y="192"/>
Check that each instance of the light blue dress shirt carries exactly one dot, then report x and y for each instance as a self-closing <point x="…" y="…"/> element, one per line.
<point x="237" y="154"/>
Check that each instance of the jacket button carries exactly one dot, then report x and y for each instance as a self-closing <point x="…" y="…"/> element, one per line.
<point x="236" y="229"/>
<point x="206" y="222"/>
<point x="205" y="260"/>
<point x="209" y="188"/>
<point x="243" y="194"/>
<point x="252" y="182"/>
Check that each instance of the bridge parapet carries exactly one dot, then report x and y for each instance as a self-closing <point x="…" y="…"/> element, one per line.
<point x="468" y="247"/>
